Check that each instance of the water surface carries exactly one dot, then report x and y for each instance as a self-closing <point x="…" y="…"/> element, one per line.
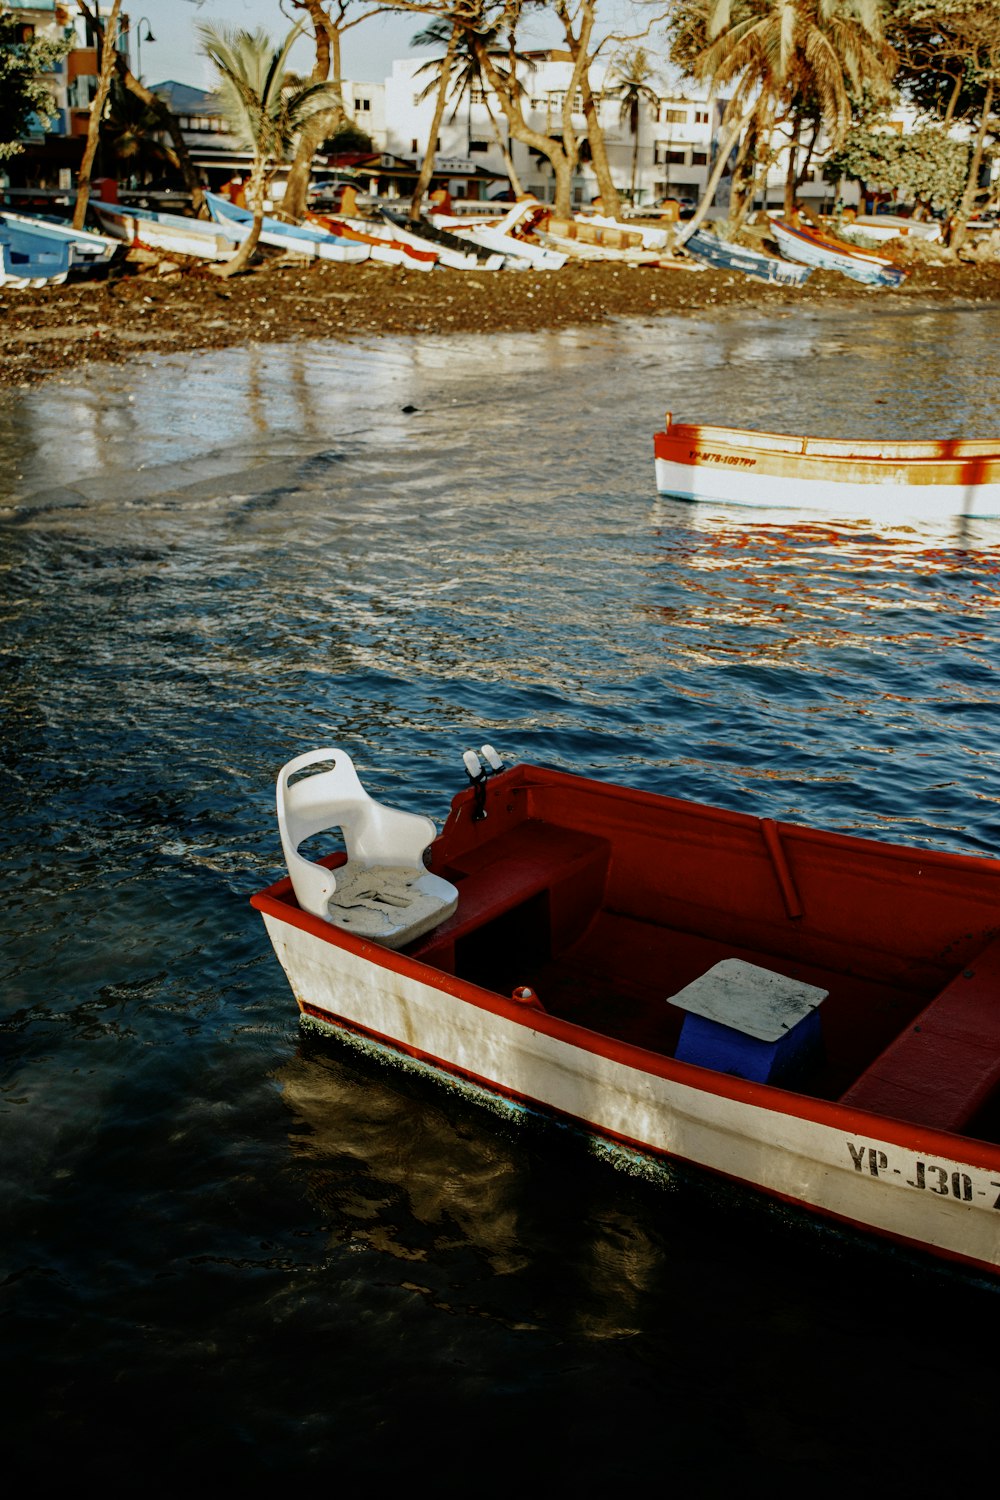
<point x="232" y="1246"/>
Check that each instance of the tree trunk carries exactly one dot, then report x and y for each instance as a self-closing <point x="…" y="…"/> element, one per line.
<point x="956" y="238"/>
<point x="729" y="139"/>
<point x="255" y="201"/>
<point x="427" y="165"/>
<point x="109" y="40"/>
<point x="595" y="135"/>
<point x="791" y="169"/>
<point x="634" y="122"/>
<point x="181" y="158"/>
<point x="741" y="194"/>
<point x="294" y="203"/>
<point x="515" y="181"/>
<point x="508" y="99"/>
<point x="606" y="189"/>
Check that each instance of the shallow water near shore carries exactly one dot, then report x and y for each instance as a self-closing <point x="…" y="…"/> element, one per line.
<point x="235" y="1249"/>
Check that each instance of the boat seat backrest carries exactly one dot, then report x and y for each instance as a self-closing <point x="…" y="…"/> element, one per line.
<point x="384" y="890"/>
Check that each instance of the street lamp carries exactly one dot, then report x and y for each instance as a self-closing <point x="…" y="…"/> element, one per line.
<point x="138" y="42"/>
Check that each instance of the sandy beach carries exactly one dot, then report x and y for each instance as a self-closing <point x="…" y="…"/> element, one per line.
<point x="147" y="305"/>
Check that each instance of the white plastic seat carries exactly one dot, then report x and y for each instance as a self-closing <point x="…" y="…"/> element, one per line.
<point x="384" y="891"/>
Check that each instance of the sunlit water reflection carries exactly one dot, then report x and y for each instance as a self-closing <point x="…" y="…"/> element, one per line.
<point x="212" y="562"/>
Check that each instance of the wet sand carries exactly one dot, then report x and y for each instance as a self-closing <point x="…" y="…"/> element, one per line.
<point x="145" y="305"/>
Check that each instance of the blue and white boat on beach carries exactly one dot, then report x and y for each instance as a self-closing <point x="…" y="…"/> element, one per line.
<point x="723" y="256"/>
<point x="298" y="239"/>
<point x="811" y="248"/>
<point x="165" y="233"/>
<point x="87" y="249"/>
<point x="31" y="260"/>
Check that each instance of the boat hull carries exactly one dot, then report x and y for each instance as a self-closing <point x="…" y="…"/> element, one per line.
<point x="587" y="916"/>
<point x="769" y="471"/>
<point x="167" y="234"/>
<point x="811" y="251"/>
<point x="908" y="1184"/>
<point x="296" y="239"/>
<point x="725" y="257"/>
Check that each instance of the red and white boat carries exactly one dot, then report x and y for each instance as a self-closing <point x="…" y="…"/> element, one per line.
<point x="950" y="477"/>
<point x="813" y="1015"/>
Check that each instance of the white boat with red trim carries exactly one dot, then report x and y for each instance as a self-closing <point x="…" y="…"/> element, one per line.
<point x="918" y="479"/>
<point x="813" y="1015"/>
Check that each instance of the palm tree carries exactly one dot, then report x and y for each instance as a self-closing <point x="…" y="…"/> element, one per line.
<point x="265" y="107"/>
<point x="632" y="80"/>
<point x="775" y="54"/>
<point x="467" y="76"/>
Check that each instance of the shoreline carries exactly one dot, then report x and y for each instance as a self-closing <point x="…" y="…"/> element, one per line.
<point x="148" y="305"/>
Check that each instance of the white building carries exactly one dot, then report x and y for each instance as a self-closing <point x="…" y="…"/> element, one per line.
<point x="672" y="153"/>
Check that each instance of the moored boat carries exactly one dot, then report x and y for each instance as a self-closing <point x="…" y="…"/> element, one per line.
<point x="949" y="477"/>
<point x="497" y="235"/>
<point x="800" y="243"/>
<point x="723" y="256"/>
<point x="813" y="1015"/>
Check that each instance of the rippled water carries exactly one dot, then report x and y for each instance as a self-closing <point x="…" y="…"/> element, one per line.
<point x="233" y="1249"/>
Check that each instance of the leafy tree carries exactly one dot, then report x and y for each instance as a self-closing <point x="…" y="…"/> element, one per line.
<point x="130" y="132"/>
<point x="954" y="44"/>
<point x="24" y="96"/>
<point x="264" y="106"/>
<point x="927" y="166"/>
<point x="631" y="81"/>
<point x="348" y="138"/>
<point x="783" y="60"/>
<point x="440" y="86"/>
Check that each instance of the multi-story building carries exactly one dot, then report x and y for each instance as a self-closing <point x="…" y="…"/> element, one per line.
<point x="53" y="150"/>
<point x="671" y="153"/>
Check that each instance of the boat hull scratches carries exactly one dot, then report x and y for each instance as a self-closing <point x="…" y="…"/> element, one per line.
<point x="815" y="1156"/>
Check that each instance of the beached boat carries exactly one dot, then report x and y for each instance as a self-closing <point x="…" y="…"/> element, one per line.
<point x="722" y="256"/>
<point x="382" y="244"/>
<point x="798" y="242"/>
<point x="31" y="260"/>
<point x="87" y="249"/>
<point x="893" y="226"/>
<point x="585" y="239"/>
<point x="497" y="235"/>
<point x="810" y="1014"/>
<point x="950" y="477"/>
<point x="166" y="233"/>
<point x="296" y="239"/>
<point x="453" y="252"/>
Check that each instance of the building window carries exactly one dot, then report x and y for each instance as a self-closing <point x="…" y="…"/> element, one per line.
<point x="699" y="158"/>
<point x="480" y="147"/>
<point x="701" y="117"/>
<point x="414" y="145"/>
<point x="662" y="155"/>
<point x="363" y="104"/>
<point x="674" y="116"/>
